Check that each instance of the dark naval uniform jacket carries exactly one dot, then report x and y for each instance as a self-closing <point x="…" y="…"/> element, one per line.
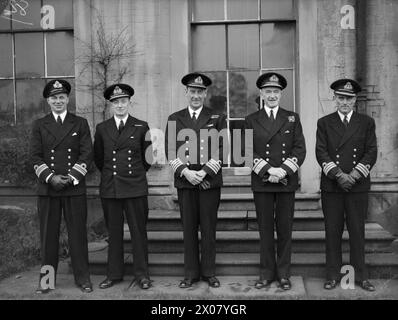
<point x="346" y="148"/>
<point x="123" y="159"/>
<point x="202" y="148"/>
<point x="277" y="144"/>
<point x="61" y="149"/>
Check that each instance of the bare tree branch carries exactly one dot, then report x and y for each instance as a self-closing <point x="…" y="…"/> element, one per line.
<point x="106" y="56"/>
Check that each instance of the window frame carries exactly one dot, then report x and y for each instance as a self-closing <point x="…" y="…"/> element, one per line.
<point x="258" y="21"/>
<point x="14" y="78"/>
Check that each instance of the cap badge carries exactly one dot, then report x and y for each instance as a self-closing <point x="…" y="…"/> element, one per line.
<point x="274" y="78"/>
<point x="199" y="80"/>
<point x="117" y="90"/>
<point x="348" y="86"/>
<point x="57" y="85"/>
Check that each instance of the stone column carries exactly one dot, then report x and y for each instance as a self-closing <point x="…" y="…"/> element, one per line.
<point x="308" y="90"/>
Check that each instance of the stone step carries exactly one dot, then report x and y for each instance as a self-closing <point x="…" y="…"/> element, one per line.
<point x="380" y="265"/>
<point x="169" y="220"/>
<point x="236" y="186"/>
<point x="304" y="220"/>
<point x="377" y="240"/>
<point x="245" y="201"/>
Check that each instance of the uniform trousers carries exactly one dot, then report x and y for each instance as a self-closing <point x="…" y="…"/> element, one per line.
<point x="74" y="209"/>
<point x="351" y="207"/>
<point x="275" y="208"/>
<point x="136" y="211"/>
<point x="199" y="208"/>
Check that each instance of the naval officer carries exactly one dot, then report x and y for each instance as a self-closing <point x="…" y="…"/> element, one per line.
<point x="123" y="153"/>
<point x="61" y="152"/>
<point x="346" y="150"/>
<point x="278" y="152"/>
<point x="197" y="177"/>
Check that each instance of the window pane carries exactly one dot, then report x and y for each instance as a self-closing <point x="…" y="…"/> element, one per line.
<point x="217" y="93"/>
<point x="287" y="99"/>
<point x="63" y="12"/>
<point x="29" y="52"/>
<point x="26" y="15"/>
<point x="206" y="10"/>
<point x="242" y="93"/>
<point x="5" y="55"/>
<point x="238" y="9"/>
<point x="244" y="46"/>
<point x="6" y="102"/>
<point x="208" y="48"/>
<point x="60" y="54"/>
<point x="277" y="45"/>
<point x="277" y="9"/>
<point x="30" y="103"/>
<point x="5" y="22"/>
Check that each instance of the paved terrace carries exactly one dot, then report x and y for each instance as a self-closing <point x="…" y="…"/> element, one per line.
<point x="23" y="285"/>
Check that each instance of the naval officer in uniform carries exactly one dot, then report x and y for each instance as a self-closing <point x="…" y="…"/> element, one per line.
<point x="278" y="152"/>
<point x="123" y="154"/>
<point x="197" y="177"/>
<point x="61" y="152"/>
<point x="346" y="150"/>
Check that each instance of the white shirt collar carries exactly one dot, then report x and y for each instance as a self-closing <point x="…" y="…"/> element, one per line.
<point x="117" y="120"/>
<point x="62" y="115"/>
<point x="268" y="110"/>
<point x="197" y="111"/>
<point x="342" y="115"/>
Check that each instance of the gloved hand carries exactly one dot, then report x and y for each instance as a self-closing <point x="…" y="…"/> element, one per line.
<point x="356" y="175"/>
<point x="58" y="181"/>
<point x="345" y="181"/>
<point x="204" y="185"/>
<point x="274" y="179"/>
<point x="283" y="181"/>
<point x="278" y="172"/>
<point x="70" y="181"/>
<point x="192" y="176"/>
<point x="201" y="173"/>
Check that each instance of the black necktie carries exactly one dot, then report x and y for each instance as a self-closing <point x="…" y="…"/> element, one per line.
<point x="345" y="121"/>
<point x="59" y="120"/>
<point x="121" y="126"/>
<point x="194" y="116"/>
<point x="271" y="116"/>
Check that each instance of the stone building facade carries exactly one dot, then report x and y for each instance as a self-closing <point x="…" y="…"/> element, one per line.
<point x="312" y="42"/>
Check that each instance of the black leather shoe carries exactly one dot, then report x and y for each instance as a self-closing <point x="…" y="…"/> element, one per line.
<point x="144" y="283"/>
<point x="86" y="287"/>
<point x="285" y="284"/>
<point x="366" y="285"/>
<point x="262" y="283"/>
<point x="212" y="281"/>
<point x="107" y="283"/>
<point x="330" y="284"/>
<point x="187" y="283"/>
